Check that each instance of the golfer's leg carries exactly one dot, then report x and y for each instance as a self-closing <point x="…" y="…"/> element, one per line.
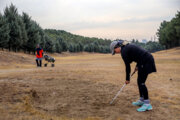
<point x="139" y="81"/>
<point x="140" y="102"/>
<point x="40" y="63"/>
<point x="146" y="106"/>
<point x="37" y="62"/>
<point x="140" y="93"/>
<point x="143" y="87"/>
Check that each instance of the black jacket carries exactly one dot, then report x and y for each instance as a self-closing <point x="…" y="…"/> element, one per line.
<point x="133" y="53"/>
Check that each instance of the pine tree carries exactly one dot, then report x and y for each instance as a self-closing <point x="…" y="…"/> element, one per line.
<point x="71" y="48"/>
<point x="58" y="47"/>
<point x="11" y="15"/>
<point x="96" y="46"/>
<point x="169" y="32"/>
<point x="24" y="37"/>
<point x="4" y="32"/>
<point x="42" y="37"/>
<point x="34" y="37"/>
<point x="86" y="48"/>
<point x="34" y="33"/>
<point x="27" y="22"/>
<point x="80" y="46"/>
<point x="49" y="46"/>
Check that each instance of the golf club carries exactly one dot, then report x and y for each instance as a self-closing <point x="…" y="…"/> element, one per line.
<point x="133" y="73"/>
<point x="120" y="90"/>
<point x="117" y="94"/>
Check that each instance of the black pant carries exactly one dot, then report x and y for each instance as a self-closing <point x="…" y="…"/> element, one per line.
<point x="39" y="63"/>
<point x="143" y="91"/>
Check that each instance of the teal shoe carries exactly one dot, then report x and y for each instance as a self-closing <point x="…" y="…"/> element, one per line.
<point x="145" y="107"/>
<point x="138" y="103"/>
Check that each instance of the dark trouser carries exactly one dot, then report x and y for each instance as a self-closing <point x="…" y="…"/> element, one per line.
<point x="146" y="67"/>
<point x="143" y="91"/>
<point x="39" y="62"/>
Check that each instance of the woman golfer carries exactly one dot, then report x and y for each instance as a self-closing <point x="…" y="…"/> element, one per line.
<point x="145" y="65"/>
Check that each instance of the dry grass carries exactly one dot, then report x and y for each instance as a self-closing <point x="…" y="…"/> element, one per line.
<point x="80" y="87"/>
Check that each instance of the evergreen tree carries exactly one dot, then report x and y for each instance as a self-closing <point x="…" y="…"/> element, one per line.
<point x="96" y="46"/>
<point x="27" y="22"/>
<point x="80" y="47"/>
<point x="64" y="45"/>
<point x="91" y="48"/>
<point x="86" y="48"/>
<point x="169" y="32"/>
<point x="71" y="48"/>
<point x="58" y="47"/>
<point x="35" y="33"/>
<point x="42" y="37"/>
<point x="77" y="48"/>
<point x="11" y="15"/>
<point x="4" y="32"/>
<point x="24" y="37"/>
<point x="34" y="37"/>
<point x="49" y="45"/>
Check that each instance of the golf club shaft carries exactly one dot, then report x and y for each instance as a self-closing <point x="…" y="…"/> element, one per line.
<point x="133" y="73"/>
<point x="120" y="90"/>
<point x="117" y="94"/>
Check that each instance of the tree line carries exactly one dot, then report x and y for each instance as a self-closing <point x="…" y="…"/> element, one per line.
<point x="75" y="43"/>
<point x="169" y="32"/>
<point x="20" y="32"/>
<point x="150" y="46"/>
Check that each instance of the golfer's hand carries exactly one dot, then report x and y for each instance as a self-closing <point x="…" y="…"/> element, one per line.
<point x="127" y="82"/>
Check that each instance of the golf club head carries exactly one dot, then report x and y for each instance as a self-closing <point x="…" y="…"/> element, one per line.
<point x="111" y="103"/>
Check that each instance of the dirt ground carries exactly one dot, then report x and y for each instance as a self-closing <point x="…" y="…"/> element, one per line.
<point x="80" y="87"/>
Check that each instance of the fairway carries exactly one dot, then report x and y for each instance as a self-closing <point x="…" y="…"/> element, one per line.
<point x="81" y="85"/>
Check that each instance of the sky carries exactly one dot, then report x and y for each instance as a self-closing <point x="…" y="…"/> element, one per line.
<point x="110" y="19"/>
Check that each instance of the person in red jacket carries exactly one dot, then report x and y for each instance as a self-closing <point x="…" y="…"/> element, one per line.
<point x="39" y="56"/>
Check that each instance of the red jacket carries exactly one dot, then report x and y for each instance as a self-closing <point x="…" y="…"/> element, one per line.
<point x="39" y="53"/>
